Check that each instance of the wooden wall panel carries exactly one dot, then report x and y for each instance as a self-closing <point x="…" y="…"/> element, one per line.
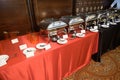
<point x="13" y="16"/>
<point x="52" y="9"/>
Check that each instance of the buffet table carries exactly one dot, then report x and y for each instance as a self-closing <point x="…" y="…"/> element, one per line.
<point x="53" y="64"/>
<point x="109" y="38"/>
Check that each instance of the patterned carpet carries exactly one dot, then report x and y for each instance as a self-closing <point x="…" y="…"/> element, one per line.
<point x="108" y="69"/>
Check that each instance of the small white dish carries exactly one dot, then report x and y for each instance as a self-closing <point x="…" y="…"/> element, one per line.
<point x="80" y="35"/>
<point x="62" y="41"/>
<point x="29" y="50"/>
<point x="117" y="21"/>
<point x="94" y="30"/>
<point x="105" y="26"/>
<point x="113" y="23"/>
<point x="41" y="45"/>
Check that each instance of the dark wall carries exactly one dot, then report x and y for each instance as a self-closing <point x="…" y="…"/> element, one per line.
<point x="13" y="16"/>
<point x="52" y="8"/>
<point x="107" y="3"/>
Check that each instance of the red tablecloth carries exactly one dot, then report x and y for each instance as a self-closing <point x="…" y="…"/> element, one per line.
<point x="53" y="64"/>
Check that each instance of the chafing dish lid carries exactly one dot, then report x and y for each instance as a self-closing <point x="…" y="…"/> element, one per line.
<point x="50" y="24"/>
<point x="76" y="20"/>
<point x="71" y="20"/>
<point x="90" y="17"/>
<point x="102" y="13"/>
<point x="56" y="25"/>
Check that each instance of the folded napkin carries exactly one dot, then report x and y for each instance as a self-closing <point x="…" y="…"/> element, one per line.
<point x="3" y="60"/>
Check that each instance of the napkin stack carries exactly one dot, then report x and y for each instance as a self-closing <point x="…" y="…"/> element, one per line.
<point x="3" y="60"/>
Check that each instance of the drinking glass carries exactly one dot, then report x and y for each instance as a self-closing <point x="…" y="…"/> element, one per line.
<point x="33" y="37"/>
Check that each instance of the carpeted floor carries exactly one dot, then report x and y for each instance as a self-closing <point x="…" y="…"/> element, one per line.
<point x="108" y="69"/>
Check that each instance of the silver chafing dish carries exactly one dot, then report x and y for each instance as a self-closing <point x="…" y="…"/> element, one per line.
<point x="52" y="28"/>
<point x="110" y="15"/>
<point x="115" y="14"/>
<point x="102" y="17"/>
<point x="75" y="23"/>
<point x="90" y="20"/>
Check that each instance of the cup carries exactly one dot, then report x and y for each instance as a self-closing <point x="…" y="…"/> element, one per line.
<point x="83" y="31"/>
<point x="96" y="27"/>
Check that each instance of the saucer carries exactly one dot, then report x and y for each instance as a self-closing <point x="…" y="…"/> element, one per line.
<point x="29" y="50"/>
<point x="94" y="30"/>
<point x="113" y="23"/>
<point x="41" y="45"/>
<point x="62" y="41"/>
<point x="80" y="35"/>
<point x="117" y="21"/>
<point x="105" y="26"/>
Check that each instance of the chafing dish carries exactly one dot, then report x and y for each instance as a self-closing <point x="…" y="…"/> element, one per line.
<point x="75" y="23"/>
<point x="52" y="28"/>
<point x="108" y="16"/>
<point x="102" y="17"/>
<point x="90" y="20"/>
<point x="116" y="14"/>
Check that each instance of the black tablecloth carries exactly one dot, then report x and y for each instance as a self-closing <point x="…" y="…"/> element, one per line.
<point x="109" y="38"/>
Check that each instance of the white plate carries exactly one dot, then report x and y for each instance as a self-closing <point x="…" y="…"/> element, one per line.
<point x="105" y="26"/>
<point x="41" y="45"/>
<point x="29" y="50"/>
<point x="94" y="30"/>
<point x="62" y="41"/>
<point x="112" y="23"/>
<point x="117" y="21"/>
<point x="80" y="35"/>
<point x="4" y="57"/>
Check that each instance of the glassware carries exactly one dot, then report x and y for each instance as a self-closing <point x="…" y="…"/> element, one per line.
<point x="6" y="35"/>
<point x="13" y="34"/>
<point x="33" y="38"/>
